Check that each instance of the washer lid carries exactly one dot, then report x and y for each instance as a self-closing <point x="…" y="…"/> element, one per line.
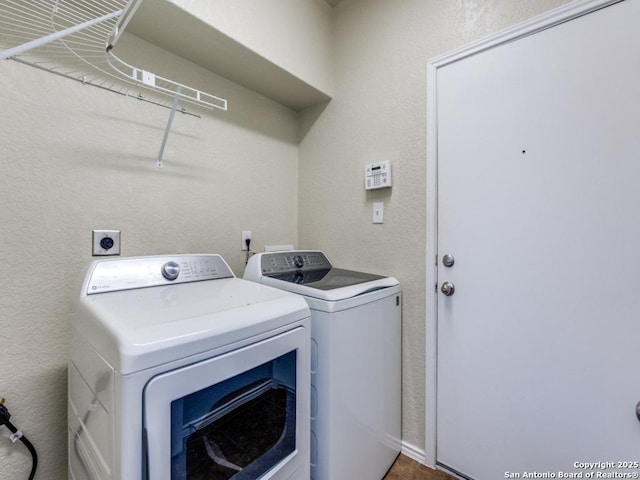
<point x="333" y="292"/>
<point x="309" y="272"/>
<point x="327" y="279"/>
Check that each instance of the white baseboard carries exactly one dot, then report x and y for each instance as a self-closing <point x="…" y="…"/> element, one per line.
<point x="413" y="452"/>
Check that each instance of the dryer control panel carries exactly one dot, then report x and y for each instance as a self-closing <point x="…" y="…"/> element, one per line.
<point x="152" y="271"/>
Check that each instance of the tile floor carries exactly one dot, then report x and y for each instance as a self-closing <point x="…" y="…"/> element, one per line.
<point x="405" y="468"/>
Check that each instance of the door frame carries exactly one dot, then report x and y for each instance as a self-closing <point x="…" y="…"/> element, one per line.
<point x="544" y="21"/>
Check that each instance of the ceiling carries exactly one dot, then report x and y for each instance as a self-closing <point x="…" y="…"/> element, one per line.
<point x="333" y="3"/>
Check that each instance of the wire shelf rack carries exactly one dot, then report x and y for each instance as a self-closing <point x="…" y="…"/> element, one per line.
<point x="75" y="38"/>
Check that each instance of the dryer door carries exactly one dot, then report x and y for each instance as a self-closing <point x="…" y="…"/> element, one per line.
<point x="240" y="415"/>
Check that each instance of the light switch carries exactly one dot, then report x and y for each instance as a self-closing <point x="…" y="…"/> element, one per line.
<point x="378" y="212"/>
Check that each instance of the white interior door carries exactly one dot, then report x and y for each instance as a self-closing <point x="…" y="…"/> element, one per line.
<point x="538" y="180"/>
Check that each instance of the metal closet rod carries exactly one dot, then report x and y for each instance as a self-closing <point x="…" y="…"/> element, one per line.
<point x="138" y="97"/>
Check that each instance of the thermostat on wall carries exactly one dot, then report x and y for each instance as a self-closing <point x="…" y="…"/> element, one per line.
<point x="377" y="175"/>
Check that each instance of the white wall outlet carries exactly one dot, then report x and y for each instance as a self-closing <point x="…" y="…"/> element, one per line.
<point x="246" y="235"/>
<point x="378" y="212"/>
<point x="105" y="242"/>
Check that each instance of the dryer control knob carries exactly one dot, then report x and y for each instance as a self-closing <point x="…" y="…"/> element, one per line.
<point x="298" y="261"/>
<point x="170" y="270"/>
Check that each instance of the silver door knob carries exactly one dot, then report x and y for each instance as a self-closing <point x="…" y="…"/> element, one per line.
<point x="448" y="288"/>
<point x="448" y="260"/>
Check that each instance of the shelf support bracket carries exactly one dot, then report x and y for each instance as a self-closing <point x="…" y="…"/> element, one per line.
<point x="172" y="114"/>
<point x="38" y="42"/>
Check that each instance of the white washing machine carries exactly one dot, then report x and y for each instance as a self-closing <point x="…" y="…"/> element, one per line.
<point x="355" y="361"/>
<point x="178" y="370"/>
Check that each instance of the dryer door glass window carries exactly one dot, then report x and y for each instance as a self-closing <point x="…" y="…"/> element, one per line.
<point x="235" y="416"/>
<point x="239" y="428"/>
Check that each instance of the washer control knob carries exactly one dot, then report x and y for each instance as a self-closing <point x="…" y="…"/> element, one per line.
<point x="170" y="270"/>
<point x="298" y="261"/>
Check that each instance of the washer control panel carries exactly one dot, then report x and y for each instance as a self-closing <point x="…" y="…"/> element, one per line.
<point x="282" y="262"/>
<point x="141" y="272"/>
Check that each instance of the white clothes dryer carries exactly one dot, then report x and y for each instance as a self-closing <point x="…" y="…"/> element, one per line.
<point x="355" y="361"/>
<point x="178" y="370"/>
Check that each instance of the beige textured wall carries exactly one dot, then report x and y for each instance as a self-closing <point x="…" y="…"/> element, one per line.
<point x="379" y="113"/>
<point x="76" y="158"/>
